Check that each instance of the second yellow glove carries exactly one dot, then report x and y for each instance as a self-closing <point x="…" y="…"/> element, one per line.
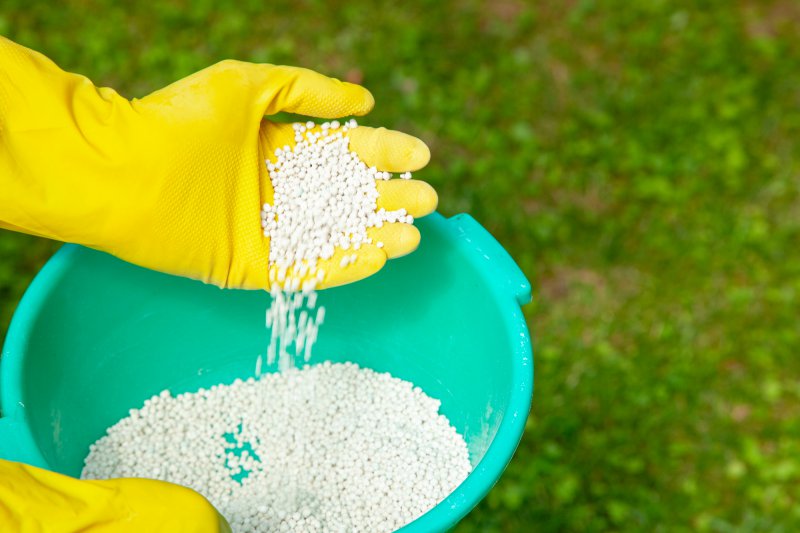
<point x="37" y="500"/>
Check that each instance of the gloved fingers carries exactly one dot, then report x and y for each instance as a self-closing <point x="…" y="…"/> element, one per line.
<point x="389" y="150"/>
<point x="347" y="266"/>
<point x="416" y="197"/>
<point x="344" y="266"/>
<point x="366" y="261"/>
<point x="34" y="499"/>
<point x="398" y="239"/>
<point x="305" y="92"/>
<point x="160" y="506"/>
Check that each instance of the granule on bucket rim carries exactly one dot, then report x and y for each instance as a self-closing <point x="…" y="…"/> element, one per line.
<point x="325" y="448"/>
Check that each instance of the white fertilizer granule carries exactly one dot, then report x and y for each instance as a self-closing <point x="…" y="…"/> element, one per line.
<point x="328" y="448"/>
<point x="324" y="197"/>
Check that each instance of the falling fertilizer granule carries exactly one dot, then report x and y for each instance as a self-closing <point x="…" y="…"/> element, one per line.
<point x="325" y="198"/>
<point x="327" y="448"/>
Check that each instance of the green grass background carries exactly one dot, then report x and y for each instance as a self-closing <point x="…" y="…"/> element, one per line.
<point x="639" y="159"/>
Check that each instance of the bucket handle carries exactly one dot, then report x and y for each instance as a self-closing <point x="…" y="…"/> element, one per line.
<point x="492" y="259"/>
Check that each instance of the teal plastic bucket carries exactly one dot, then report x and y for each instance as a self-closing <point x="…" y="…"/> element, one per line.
<point x="94" y="337"/>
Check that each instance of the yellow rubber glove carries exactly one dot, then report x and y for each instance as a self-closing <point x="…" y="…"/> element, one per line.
<point x="33" y="500"/>
<point x="175" y="181"/>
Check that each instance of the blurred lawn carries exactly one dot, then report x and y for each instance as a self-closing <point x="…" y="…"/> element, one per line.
<point x="640" y="160"/>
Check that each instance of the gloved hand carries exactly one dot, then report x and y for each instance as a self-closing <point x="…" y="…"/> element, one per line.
<point x="36" y="500"/>
<point x="175" y="181"/>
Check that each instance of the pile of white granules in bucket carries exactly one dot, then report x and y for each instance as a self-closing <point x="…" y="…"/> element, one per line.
<point x="325" y="448"/>
<point x="328" y="448"/>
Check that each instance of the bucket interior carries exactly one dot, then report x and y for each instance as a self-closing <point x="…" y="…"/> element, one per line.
<point x="110" y="335"/>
